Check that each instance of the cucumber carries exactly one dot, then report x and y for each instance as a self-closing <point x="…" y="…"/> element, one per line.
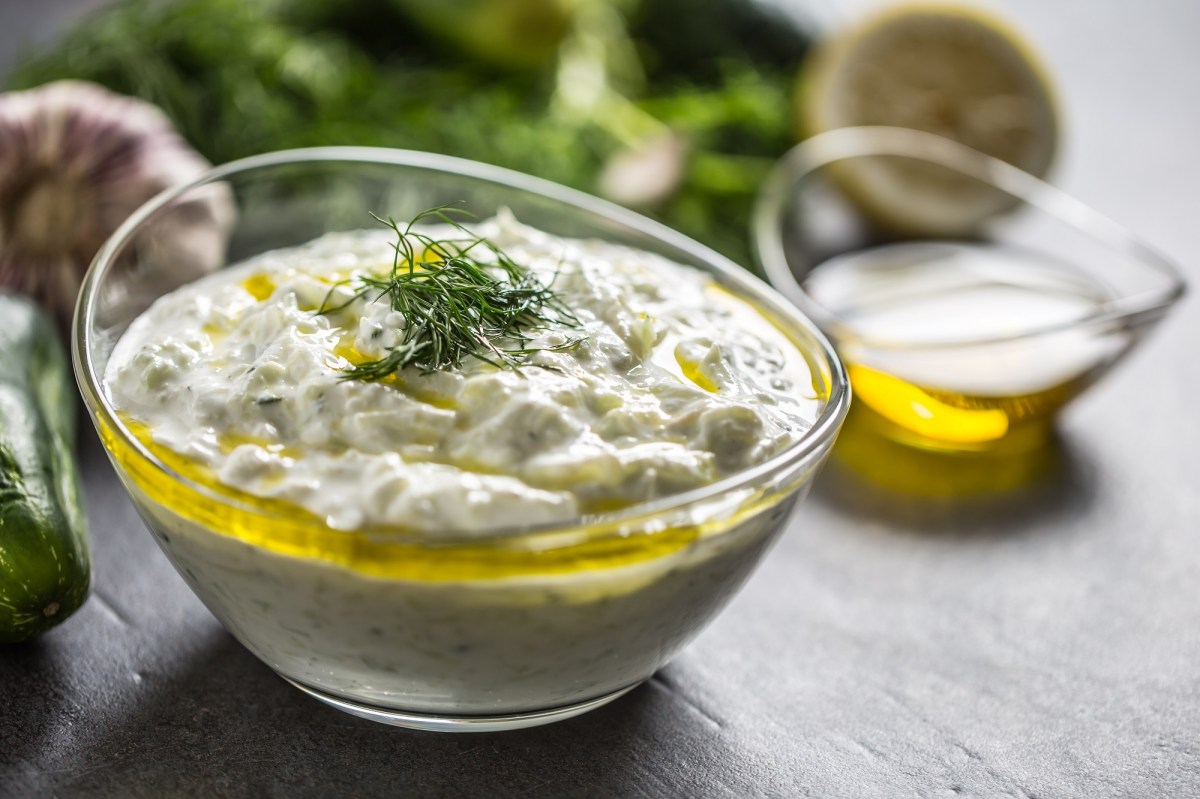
<point x="44" y="565"/>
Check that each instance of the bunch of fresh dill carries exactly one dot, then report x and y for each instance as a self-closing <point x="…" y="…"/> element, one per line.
<point x="238" y="78"/>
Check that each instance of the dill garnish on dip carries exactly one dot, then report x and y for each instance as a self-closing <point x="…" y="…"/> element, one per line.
<point x="460" y="378"/>
<point x="456" y="304"/>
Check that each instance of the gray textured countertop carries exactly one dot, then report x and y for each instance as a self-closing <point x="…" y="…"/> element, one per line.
<point x="1045" y="644"/>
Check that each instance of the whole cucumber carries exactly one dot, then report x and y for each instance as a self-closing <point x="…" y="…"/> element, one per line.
<point x="44" y="564"/>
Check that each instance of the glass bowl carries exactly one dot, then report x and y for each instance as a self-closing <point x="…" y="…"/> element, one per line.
<point x="960" y="339"/>
<point x="524" y="628"/>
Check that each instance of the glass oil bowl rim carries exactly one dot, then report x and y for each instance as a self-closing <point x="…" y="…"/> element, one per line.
<point x="843" y="144"/>
<point x="807" y="447"/>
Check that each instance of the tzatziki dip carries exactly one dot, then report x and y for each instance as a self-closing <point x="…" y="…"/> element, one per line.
<point x="277" y="380"/>
<point x="670" y="383"/>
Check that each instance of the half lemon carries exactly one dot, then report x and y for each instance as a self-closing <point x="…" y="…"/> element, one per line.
<point x="952" y="71"/>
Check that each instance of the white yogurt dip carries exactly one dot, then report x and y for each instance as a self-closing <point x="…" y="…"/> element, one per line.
<point x="677" y="384"/>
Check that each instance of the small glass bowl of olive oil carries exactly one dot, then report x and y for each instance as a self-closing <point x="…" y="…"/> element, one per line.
<point x="963" y="341"/>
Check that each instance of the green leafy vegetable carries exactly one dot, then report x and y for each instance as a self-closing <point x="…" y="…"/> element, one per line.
<point x="239" y="78"/>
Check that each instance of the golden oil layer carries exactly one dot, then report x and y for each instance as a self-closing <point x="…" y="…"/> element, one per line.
<point x="948" y="420"/>
<point x="287" y="529"/>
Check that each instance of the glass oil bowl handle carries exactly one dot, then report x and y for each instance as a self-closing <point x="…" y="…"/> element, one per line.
<point x="802" y="161"/>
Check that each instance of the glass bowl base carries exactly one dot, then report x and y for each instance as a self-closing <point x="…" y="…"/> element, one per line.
<point x="447" y="723"/>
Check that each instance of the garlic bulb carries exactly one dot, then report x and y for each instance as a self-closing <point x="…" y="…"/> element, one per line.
<point x="75" y="161"/>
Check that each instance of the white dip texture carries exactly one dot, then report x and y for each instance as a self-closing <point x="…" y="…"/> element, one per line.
<point x="674" y="385"/>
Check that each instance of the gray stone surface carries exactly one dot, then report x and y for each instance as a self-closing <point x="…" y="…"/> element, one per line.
<point x="1045" y="644"/>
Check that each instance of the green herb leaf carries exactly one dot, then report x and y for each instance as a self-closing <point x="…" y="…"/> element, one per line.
<point x="457" y="304"/>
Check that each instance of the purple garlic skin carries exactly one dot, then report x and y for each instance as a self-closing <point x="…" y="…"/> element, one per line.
<point x="75" y="161"/>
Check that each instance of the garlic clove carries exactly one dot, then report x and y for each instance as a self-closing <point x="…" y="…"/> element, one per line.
<point x="647" y="175"/>
<point x="75" y="161"/>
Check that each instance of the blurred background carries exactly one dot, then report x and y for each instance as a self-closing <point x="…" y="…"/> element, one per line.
<point x="676" y="108"/>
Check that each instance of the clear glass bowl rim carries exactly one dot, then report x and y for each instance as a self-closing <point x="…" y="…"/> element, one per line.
<point x="808" y="447"/>
<point x="848" y="143"/>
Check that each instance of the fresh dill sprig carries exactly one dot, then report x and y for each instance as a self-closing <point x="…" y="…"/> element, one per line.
<point x="455" y="304"/>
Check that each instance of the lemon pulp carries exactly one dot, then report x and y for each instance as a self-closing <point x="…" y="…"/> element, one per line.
<point x="954" y="72"/>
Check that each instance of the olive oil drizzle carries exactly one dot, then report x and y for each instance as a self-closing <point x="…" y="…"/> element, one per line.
<point x="287" y="529"/>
